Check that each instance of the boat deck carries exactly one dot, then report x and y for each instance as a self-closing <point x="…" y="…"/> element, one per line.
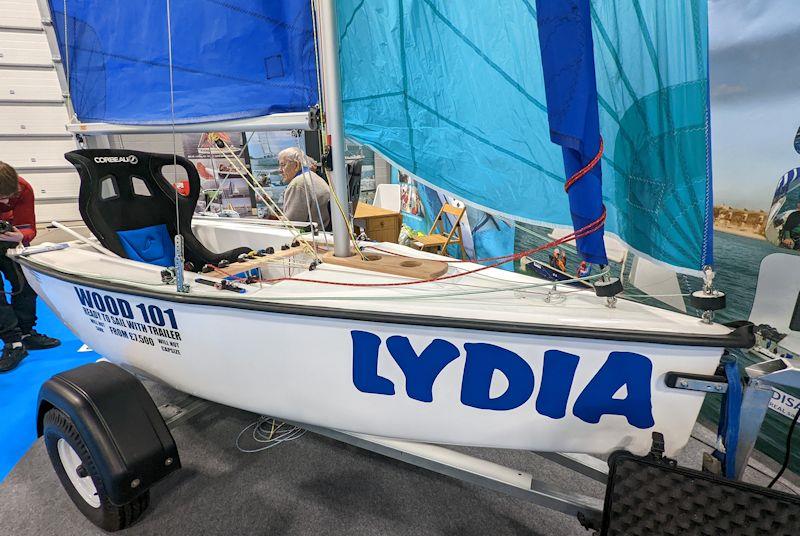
<point x="493" y="294"/>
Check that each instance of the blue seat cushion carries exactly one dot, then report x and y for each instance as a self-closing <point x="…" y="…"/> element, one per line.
<point x="152" y="245"/>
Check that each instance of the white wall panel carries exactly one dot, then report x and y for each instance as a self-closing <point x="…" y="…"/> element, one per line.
<point x="32" y="119"/>
<point x="50" y="185"/>
<point x="20" y="13"/>
<point x="32" y="132"/>
<point x="24" y="48"/>
<point x="33" y="153"/>
<point x="62" y="211"/>
<point x="23" y="85"/>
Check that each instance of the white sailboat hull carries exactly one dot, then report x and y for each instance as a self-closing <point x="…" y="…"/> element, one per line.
<point x="346" y="373"/>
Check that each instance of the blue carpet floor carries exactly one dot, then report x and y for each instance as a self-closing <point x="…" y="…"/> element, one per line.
<point x="20" y="387"/>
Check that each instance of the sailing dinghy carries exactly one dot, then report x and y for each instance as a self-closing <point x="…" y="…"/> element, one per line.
<point x="377" y="338"/>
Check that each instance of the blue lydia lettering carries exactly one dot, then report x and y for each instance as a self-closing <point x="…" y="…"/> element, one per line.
<point x="620" y="369"/>
<point x="421" y="370"/>
<point x="365" y="364"/>
<point x="557" y="375"/>
<point x="482" y="361"/>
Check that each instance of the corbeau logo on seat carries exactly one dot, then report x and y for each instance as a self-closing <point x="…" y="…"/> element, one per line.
<point x="130" y="159"/>
<point x="622" y="372"/>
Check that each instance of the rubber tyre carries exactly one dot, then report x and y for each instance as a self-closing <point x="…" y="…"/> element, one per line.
<point x="57" y="425"/>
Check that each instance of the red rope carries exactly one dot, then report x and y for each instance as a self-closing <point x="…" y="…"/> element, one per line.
<point x="503" y="259"/>
<point x="508" y="258"/>
<point x="585" y="169"/>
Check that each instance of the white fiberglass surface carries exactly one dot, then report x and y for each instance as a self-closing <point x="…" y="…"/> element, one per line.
<point x="220" y="234"/>
<point x="491" y="294"/>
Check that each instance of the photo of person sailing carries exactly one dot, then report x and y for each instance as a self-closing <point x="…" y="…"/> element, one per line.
<point x="790" y="230"/>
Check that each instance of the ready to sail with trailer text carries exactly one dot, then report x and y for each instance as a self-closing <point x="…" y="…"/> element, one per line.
<point x="140" y="323"/>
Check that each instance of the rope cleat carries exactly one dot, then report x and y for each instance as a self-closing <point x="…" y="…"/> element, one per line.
<point x="708" y="299"/>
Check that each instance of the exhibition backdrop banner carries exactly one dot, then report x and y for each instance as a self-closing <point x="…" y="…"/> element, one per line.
<point x="230" y="60"/>
<point x="223" y="186"/>
<point x="484" y="235"/>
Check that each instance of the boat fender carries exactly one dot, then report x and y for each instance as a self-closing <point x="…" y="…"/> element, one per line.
<point x="119" y="423"/>
<point x="270" y="250"/>
<point x="260" y="253"/>
<point x="608" y="289"/>
<point x="296" y="243"/>
<point x="285" y="247"/>
<point x="314" y="264"/>
<point x="707" y="301"/>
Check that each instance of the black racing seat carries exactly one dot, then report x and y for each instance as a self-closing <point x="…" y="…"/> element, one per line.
<point x="129" y="205"/>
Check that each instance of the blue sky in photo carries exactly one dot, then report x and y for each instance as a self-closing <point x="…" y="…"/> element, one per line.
<point x="755" y="97"/>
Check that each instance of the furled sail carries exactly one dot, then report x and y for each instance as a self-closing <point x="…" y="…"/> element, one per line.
<point x="454" y="93"/>
<point x="565" y="39"/>
<point x="231" y="60"/>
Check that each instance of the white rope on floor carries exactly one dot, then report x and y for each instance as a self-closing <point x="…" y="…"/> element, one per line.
<point x="268" y="432"/>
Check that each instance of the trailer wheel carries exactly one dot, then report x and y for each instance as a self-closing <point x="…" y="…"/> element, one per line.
<point x="78" y="474"/>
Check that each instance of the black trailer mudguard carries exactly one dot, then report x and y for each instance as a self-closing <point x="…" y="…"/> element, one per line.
<point x="115" y="416"/>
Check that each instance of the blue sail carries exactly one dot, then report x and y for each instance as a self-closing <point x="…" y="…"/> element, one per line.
<point x="230" y="60"/>
<point x="565" y="38"/>
<point x="454" y="92"/>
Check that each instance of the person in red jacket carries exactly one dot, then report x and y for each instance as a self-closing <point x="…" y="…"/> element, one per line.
<point x="17" y="318"/>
